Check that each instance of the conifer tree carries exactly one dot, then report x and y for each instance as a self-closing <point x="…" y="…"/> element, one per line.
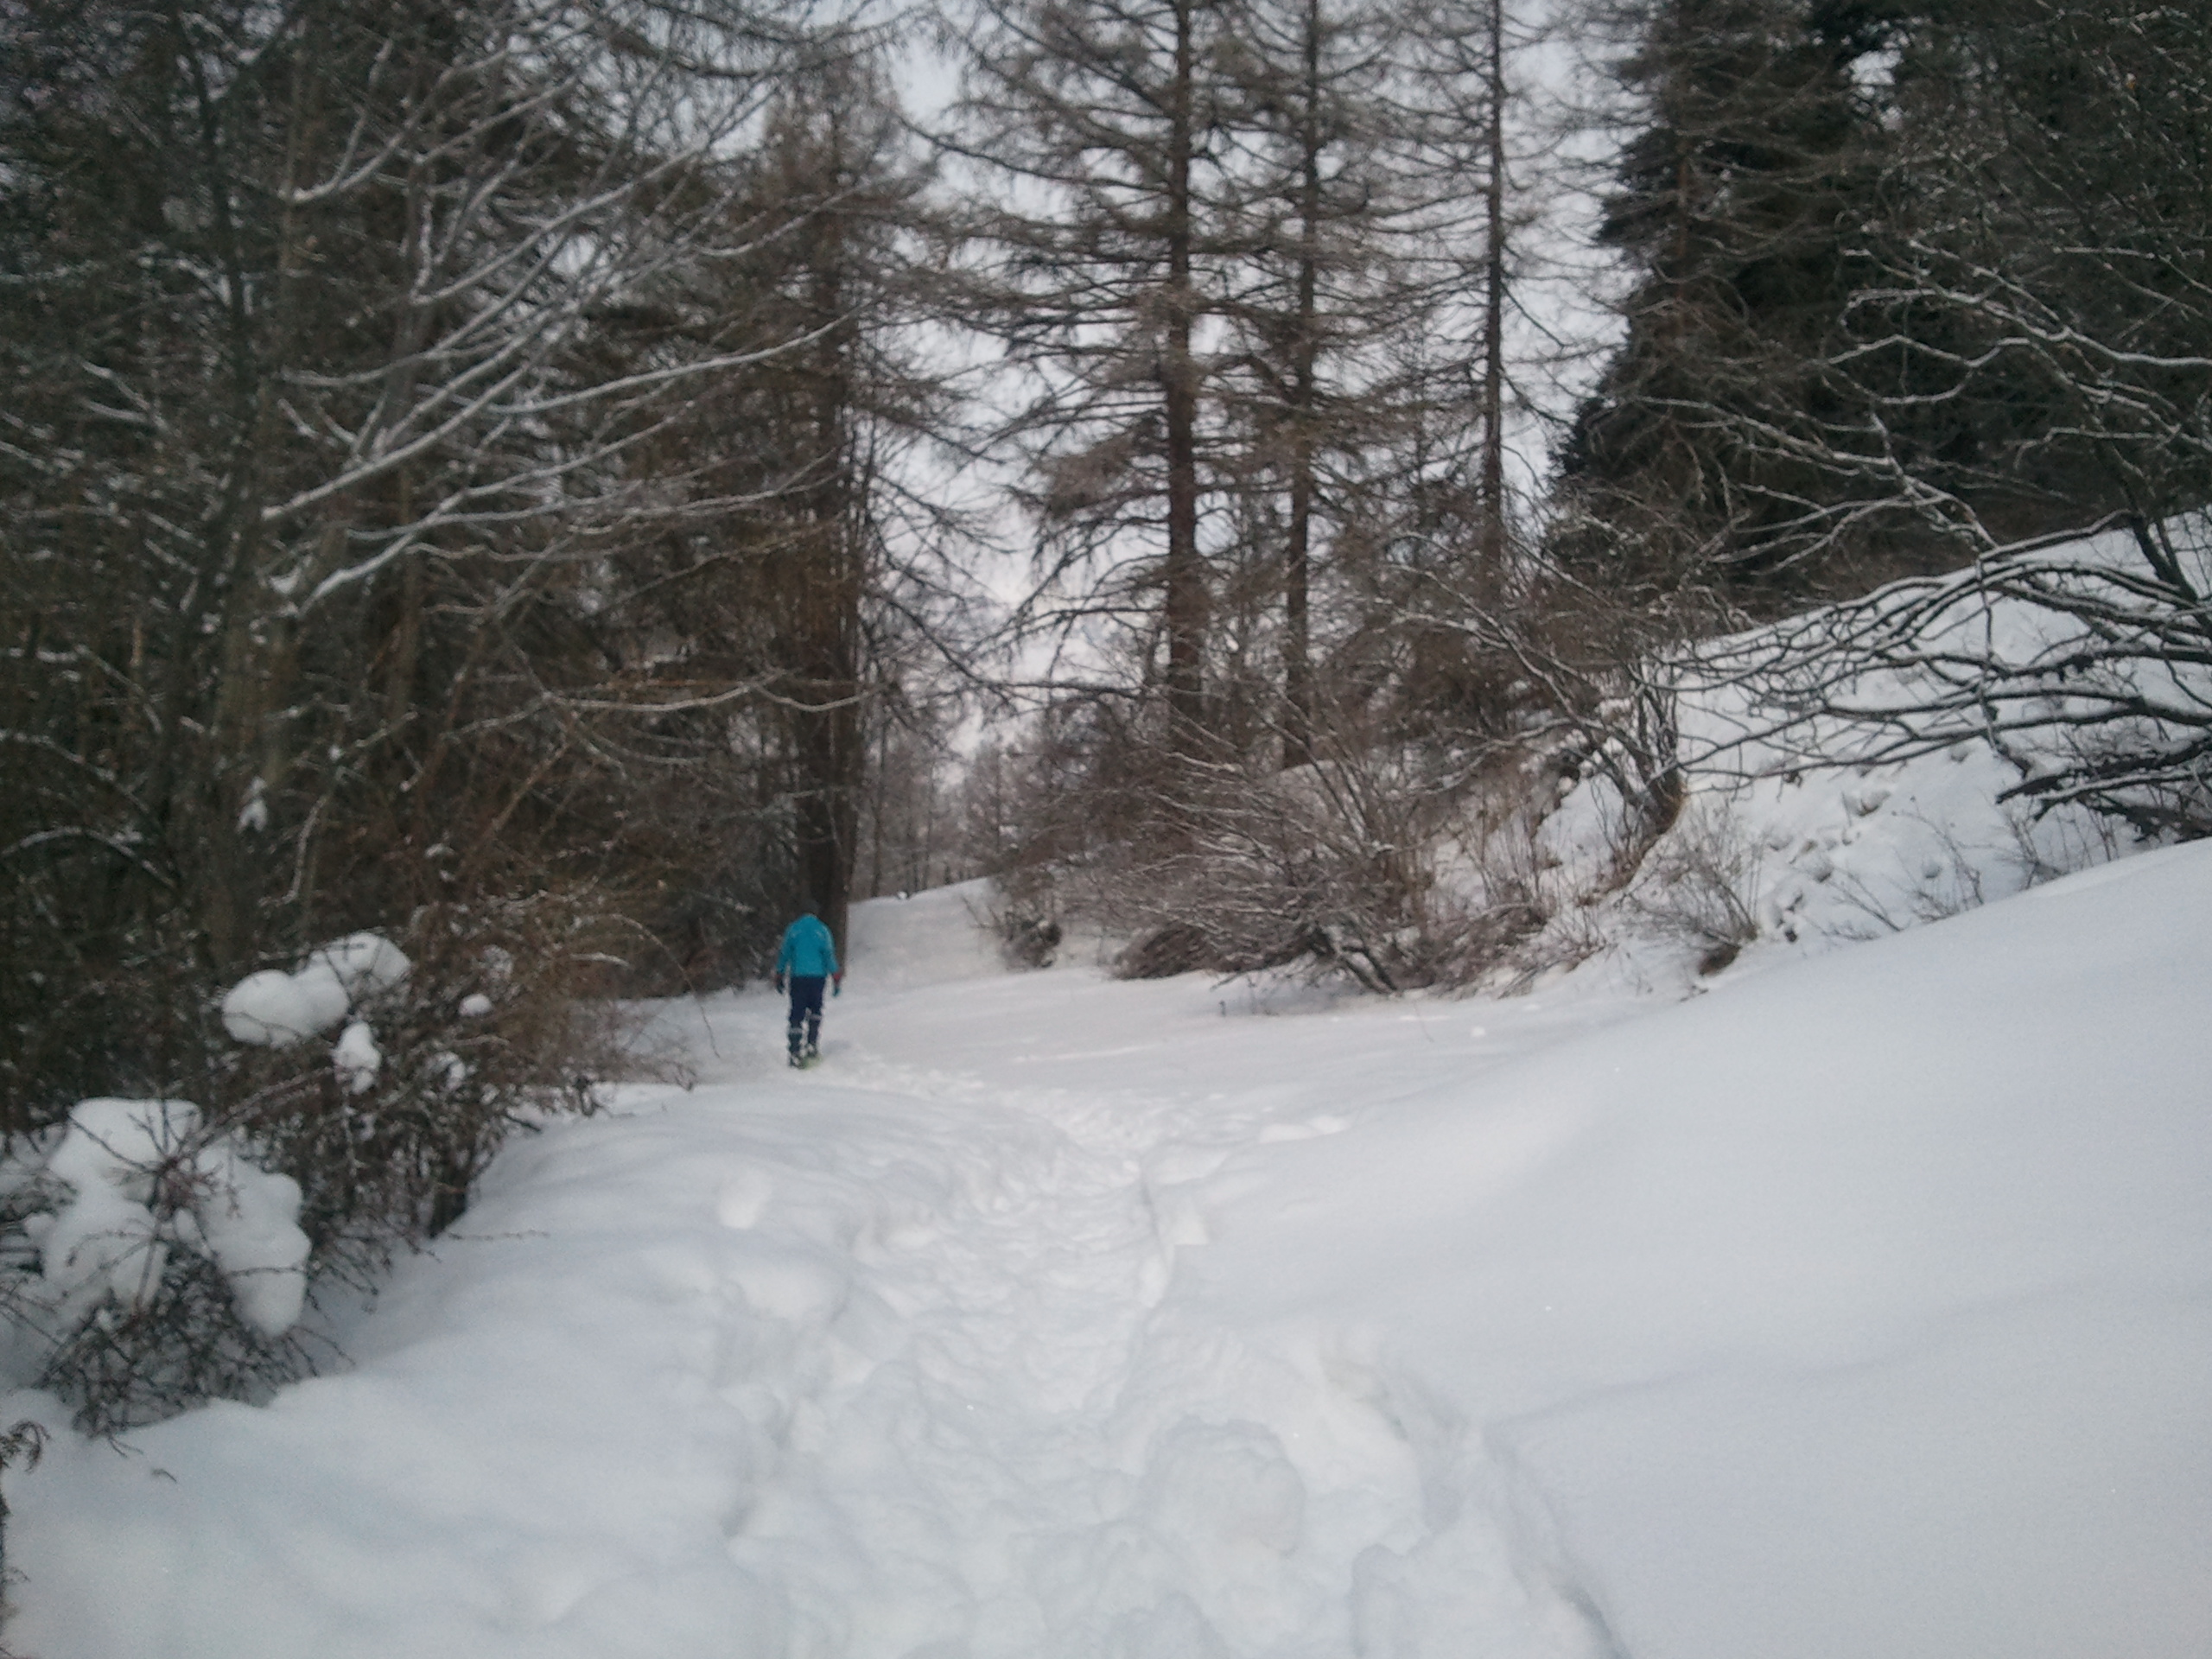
<point x="1096" y="129"/>
<point x="1737" y="200"/>
<point x="2028" y="359"/>
<point x="318" y="423"/>
<point x="1337" y="211"/>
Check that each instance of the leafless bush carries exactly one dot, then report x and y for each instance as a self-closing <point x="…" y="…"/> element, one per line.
<point x="493" y="1029"/>
<point x="1390" y="859"/>
<point x="1326" y="865"/>
<point x="23" y="1444"/>
<point x="497" y="1027"/>
<point x="1024" y="917"/>
<point x="1700" y="884"/>
<point x="1170" y="949"/>
<point x="1334" y="868"/>
<point x="2098" y="841"/>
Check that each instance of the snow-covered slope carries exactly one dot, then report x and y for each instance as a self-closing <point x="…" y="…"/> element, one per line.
<point x="932" y="938"/>
<point x="1862" y="1307"/>
<point x="1802" y="829"/>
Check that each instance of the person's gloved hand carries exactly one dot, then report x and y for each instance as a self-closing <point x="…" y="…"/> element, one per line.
<point x="836" y="984"/>
<point x="779" y="983"/>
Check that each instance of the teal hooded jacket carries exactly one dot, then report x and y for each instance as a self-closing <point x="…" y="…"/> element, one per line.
<point x="807" y="951"/>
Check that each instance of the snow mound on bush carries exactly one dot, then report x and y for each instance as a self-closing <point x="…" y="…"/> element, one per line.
<point x="139" y="1176"/>
<point x="367" y="964"/>
<point x="275" y="1009"/>
<point x="356" y="1058"/>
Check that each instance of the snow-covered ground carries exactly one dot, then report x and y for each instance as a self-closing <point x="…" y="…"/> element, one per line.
<point x="1861" y="1306"/>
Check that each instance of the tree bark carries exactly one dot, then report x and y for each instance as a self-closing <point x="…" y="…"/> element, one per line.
<point x="1186" y="600"/>
<point x="1297" y="664"/>
<point x="1493" y="393"/>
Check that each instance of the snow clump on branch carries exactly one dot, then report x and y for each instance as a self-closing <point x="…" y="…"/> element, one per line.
<point x="137" y="1177"/>
<point x="275" y="1009"/>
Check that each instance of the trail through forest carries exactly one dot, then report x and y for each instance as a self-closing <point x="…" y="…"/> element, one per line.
<point x="1860" y="1306"/>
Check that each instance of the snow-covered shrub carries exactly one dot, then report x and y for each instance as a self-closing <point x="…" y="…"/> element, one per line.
<point x="478" y="1020"/>
<point x="154" y="1253"/>
<point x="152" y="1259"/>
<point x="132" y="1179"/>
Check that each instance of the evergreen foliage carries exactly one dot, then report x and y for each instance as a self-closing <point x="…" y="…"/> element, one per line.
<point x="1739" y="201"/>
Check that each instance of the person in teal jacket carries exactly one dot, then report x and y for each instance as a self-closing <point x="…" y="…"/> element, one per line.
<point x="807" y="959"/>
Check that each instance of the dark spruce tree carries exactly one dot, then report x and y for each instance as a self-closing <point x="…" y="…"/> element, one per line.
<point x="2028" y="358"/>
<point x="1738" y="200"/>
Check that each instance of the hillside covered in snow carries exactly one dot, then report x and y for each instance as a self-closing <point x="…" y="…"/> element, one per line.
<point x="1859" y="1302"/>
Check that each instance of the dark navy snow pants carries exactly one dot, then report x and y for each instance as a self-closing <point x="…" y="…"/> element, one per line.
<point x="807" y="1011"/>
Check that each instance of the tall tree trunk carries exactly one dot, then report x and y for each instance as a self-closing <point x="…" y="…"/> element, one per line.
<point x="1185" y="604"/>
<point x="249" y="731"/>
<point x="1493" y="395"/>
<point x="831" y="753"/>
<point x="1297" y="664"/>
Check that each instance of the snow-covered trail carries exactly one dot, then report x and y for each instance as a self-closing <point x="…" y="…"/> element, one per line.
<point x="1862" y="1307"/>
<point x="1008" y="1445"/>
<point x="869" y="1362"/>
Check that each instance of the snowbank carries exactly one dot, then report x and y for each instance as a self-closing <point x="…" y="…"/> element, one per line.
<point x="1861" y="1306"/>
<point x="1865" y="1308"/>
<point x="1800" y="833"/>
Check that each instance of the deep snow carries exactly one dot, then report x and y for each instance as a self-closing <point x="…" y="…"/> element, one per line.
<point x="1861" y="1306"/>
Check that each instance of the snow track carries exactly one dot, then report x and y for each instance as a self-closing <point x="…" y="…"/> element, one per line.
<point x="1861" y="1308"/>
<point x="983" y="1434"/>
<point x="881" y="1360"/>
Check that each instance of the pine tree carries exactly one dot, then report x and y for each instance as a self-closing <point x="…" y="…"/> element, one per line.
<point x="1737" y="200"/>
<point x="2040" y="265"/>
<point x="2027" y="361"/>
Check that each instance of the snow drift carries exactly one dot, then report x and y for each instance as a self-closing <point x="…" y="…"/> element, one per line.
<point x="1832" y="1302"/>
<point x="1859" y="1307"/>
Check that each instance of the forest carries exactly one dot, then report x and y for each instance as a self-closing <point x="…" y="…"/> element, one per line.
<point x="554" y="486"/>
